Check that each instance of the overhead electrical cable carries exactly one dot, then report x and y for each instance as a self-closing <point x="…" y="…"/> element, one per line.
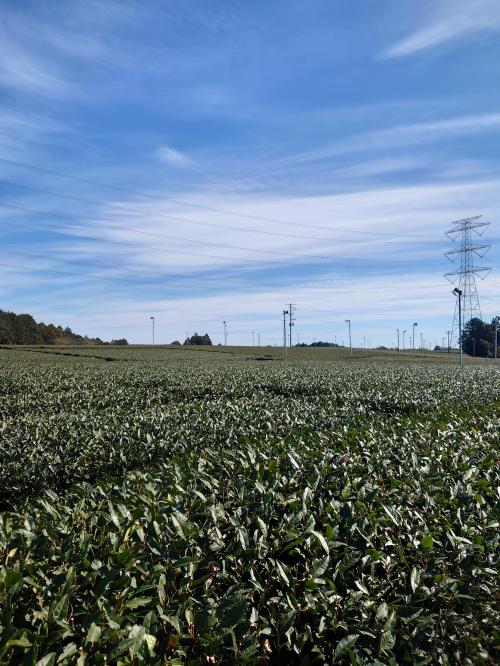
<point x="77" y="232"/>
<point x="91" y="276"/>
<point x="167" y="236"/>
<point x="94" y="223"/>
<point x="214" y="209"/>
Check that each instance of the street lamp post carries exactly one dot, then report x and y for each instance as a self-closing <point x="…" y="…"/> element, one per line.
<point x="153" y="329"/>
<point x="348" y="322"/>
<point x="397" y="331"/>
<point x="413" y="338"/>
<point x="225" y="333"/>
<point x="421" y="341"/>
<point x="404" y="332"/>
<point x="495" y="338"/>
<point x="458" y="293"/>
<point x="253" y="338"/>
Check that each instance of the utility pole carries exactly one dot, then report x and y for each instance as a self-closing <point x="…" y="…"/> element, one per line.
<point x="291" y="319"/>
<point x="448" y="333"/>
<point x="397" y="331"/>
<point x="153" y="329"/>
<point x="253" y="338"/>
<point x="225" y="333"/>
<point x="459" y="292"/>
<point x="364" y="341"/>
<point x="258" y="339"/>
<point x="404" y="339"/>
<point x="348" y="322"/>
<point x="285" y="312"/>
<point x="421" y="341"/>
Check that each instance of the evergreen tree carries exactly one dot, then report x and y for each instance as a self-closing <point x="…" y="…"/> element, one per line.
<point x="477" y="338"/>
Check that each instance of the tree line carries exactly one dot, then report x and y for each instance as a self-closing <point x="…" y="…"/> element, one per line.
<point x="22" y="329"/>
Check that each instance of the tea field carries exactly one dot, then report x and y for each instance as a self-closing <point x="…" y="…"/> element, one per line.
<point x="173" y="506"/>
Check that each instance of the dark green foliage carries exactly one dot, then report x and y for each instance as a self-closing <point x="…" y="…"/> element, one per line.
<point x="198" y="340"/>
<point x="23" y="330"/>
<point x="319" y="343"/>
<point x="478" y="338"/>
<point x="240" y="512"/>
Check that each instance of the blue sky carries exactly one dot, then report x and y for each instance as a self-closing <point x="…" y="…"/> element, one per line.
<point x="202" y="161"/>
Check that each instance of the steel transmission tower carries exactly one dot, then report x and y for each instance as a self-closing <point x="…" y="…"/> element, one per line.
<point x="463" y="233"/>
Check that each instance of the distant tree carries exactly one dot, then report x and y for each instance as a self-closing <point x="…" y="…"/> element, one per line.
<point x="198" y="340"/>
<point x="176" y="343"/>
<point x="319" y="343"/>
<point x="477" y="338"/>
<point x="120" y="341"/>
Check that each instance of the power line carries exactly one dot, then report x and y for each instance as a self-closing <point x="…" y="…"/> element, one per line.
<point x="142" y="245"/>
<point x="202" y="223"/>
<point x="45" y="257"/>
<point x="79" y="274"/>
<point x="169" y="216"/>
<point x="195" y="282"/>
<point x="154" y="234"/>
<point x="167" y="236"/>
<point x="214" y="209"/>
<point x="127" y="244"/>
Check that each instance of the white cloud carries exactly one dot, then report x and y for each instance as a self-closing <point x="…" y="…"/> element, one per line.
<point x="174" y="157"/>
<point x="379" y="282"/>
<point x="401" y="136"/>
<point x="449" y="21"/>
<point x="29" y="72"/>
<point x="379" y="167"/>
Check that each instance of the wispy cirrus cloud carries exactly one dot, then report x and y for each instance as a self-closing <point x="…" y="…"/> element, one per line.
<point x="174" y="157"/>
<point x="28" y="72"/>
<point x="448" y="22"/>
<point x="402" y="136"/>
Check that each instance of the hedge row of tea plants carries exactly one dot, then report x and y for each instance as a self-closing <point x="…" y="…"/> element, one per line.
<point x="237" y="512"/>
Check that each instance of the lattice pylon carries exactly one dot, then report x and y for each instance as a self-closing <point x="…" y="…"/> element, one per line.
<point x="462" y="233"/>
